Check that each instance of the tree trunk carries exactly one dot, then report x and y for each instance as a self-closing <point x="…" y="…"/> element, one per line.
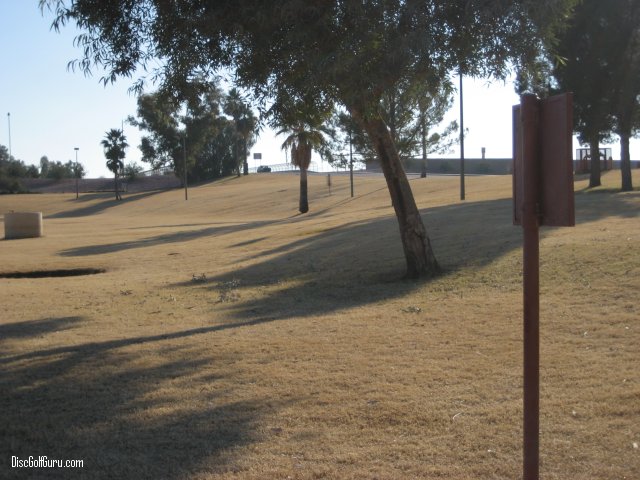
<point x="421" y="262"/>
<point x="115" y="185"/>
<point x="237" y="151"/>
<point x="594" y="146"/>
<point x="245" y="163"/>
<point x="625" y="163"/>
<point x="304" y="198"/>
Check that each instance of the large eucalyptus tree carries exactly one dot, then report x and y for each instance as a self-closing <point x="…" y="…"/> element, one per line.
<point x="344" y="51"/>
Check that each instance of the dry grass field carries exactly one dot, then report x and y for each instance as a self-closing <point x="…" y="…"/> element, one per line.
<point x="230" y="338"/>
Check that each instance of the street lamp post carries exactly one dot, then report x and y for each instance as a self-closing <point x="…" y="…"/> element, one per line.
<point x="351" y="161"/>
<point x="77" y="172"/>
<point x="184" y="160"/>
<point x="9" y="122"/>
<point x="462" y="189"/>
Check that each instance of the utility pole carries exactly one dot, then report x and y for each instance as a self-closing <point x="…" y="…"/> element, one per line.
<point x="184" y="158"/>
<point x="462" y="193"/>
<point x="351" y="161"/>
<point x="9" y="121"/>
<point x="423" y="127"/>
<point x="77" y="172"/>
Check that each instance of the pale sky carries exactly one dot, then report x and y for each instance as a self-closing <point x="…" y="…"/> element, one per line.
<point x="53" y="110"/>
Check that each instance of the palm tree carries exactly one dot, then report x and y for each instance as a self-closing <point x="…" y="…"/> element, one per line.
<point x="302" y="140"/>
<point x="245" y="123"/>
<point x="115" y="144"/>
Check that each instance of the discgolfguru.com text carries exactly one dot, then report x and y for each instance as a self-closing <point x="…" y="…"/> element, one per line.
<point x="43" y="461"/>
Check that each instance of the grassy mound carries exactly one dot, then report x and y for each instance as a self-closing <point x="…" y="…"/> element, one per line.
<point x="230" y="337"/>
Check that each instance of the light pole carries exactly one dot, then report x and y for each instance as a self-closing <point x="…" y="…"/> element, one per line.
<point x="77" y="172"/>
<point x="184" y="159"/>
<point x="351" y="161"/>
<point x="9" y="122"/>
<point x="462" y="192"/>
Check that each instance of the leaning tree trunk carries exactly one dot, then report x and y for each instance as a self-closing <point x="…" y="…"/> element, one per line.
<point x="421" y="262"/>
<point x="625" y="163"/>
<point x="594" y="146"/>
<point x="304" y="197"/>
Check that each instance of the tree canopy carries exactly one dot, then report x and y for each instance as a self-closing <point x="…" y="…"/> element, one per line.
<point x="212" y="128"/>
<point x="411" y="116"/>
<point x="305" y="132"/>
<point x="244" y="126"/>
<point x="115" y="145"/>
<point x="325" y="52"/>
<point x="597" y="57"/>
<point x="624" y="45"/>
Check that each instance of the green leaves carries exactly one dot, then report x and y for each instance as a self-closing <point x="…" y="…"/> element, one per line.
<point x="115" y="144"/>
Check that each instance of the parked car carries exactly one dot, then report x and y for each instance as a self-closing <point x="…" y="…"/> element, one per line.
<point x="264" y="169"/>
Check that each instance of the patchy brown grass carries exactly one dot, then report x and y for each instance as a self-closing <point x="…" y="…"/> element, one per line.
<point x="232" y="338"/>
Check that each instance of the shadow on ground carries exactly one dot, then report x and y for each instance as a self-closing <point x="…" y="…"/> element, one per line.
<point x="362" y="262"/>
<point x="102" y="402"/>
<point x="81" y="209"/>
<point x="165" y="238"/>
<point x="35" y="328"/>
<point x="115" y="408"/>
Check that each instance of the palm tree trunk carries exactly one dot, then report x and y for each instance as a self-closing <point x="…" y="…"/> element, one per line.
<point x="625" y="163"/>
<point x="594" y="146"/>
<point x="115" y="185"/>
<point x="421" y="262"/>
<point x="304" y="197"/>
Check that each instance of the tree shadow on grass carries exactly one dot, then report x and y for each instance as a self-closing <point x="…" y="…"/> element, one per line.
<point x="358" y="263"/>
<point x="362" y="262"/>
<point x="595" y="203"/>
<point x="175" y="237"/>
<point x="35" y="328"/>
<point x="115" y="408"/>
<point x="108" y="201"/>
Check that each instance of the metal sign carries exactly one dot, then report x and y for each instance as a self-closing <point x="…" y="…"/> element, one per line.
<point x="257" y="156"/>
<point x="543" y="131"/>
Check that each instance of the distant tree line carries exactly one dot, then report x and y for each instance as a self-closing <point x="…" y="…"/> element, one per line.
<point x="597" y="58"/>
<point x="13" y="170"/>
<point x="206" y="131"/>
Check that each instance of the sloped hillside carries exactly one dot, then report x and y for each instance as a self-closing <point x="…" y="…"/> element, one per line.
<point x="229" y="337"/>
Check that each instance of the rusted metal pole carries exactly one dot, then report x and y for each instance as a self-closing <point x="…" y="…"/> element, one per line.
<point x="531" y="285"/>
<point x="543" y="195"/>
<point x="531" y="352"/>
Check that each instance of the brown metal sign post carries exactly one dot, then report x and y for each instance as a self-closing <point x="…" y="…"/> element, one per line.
<point x="542" y="195"/>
